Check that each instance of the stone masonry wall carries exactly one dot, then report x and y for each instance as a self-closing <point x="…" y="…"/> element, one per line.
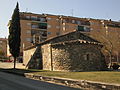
<point x="46" y="56"/>
<point x="33" y="58"/>
<point x="77" y="57"/>
<point x="27" y="54"/>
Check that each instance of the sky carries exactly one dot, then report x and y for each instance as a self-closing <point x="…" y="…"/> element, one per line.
<point x="97" y="9"/>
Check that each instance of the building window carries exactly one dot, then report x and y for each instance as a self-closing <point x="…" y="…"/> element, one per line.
<point x="28" y="39"/>
<point x="57" y="33"/>
<point x="91" y="28"/>
<point x="57" y="27"/>
<point x="34" y="17"/>
<point x="0" y="41"/>
<point x="28" y="17"/>
<point x="92" y="23"/>
<point x="87" y="29"/>
<point x="43" y="19"/>
<point x="87" y="57"/>
<point x="73" y="21"/>
<point x="57" y="19"/>
<point x="78" y="22"/>
<point x="28" y="32"/>
<point x="83" y="28"/>
<point x="43" y="25"/>
<point x="34" y="26"/>
<point x="49" y="33"/>
<point x="28" y="24"/>
<point x="49" y="18"/>
<point x="49" y="26"/>
<point x="80" y="28"/>
<point x="64" y="21"/>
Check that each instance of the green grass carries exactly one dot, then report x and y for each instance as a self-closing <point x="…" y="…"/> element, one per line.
<point x="103" y="76"/>
<point x="99" y="76"/>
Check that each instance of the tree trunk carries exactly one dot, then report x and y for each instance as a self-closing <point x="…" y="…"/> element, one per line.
<point x="14" y="62"/>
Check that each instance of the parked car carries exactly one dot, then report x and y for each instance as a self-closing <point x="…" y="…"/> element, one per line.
<point x="8" y="60"/>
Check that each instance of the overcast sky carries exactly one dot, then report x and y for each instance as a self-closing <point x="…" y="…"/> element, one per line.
<point x="98" y="9"/>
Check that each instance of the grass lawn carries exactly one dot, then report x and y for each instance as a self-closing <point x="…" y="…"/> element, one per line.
<point x="100" y="76"/>
<point x="103" y="76"/>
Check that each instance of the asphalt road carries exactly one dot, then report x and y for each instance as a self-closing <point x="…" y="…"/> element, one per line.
<point x="13" y="82"/>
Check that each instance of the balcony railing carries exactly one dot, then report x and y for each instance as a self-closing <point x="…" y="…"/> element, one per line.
<point x="114" y="25"/>
<point x="34" y="19"/>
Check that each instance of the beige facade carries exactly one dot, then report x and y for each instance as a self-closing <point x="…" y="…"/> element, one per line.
<point x="3" y="45"/>
<point x="28" y="55"/>
<point x="36" y="28"/>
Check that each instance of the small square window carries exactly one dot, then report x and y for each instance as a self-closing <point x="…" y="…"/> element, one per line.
<point x="57" y="19"/>
<point x="28" y="24"/>
<point x="28" y="17"/>
<point x="73" y="21"/>
<point x="34" y="17"/>
<point x="57" y="27"/>
<point x="49" y="18"/>
<point x="49" y="26"/>
<point x="57" y="33"/>
<point x="28" y="39"/>
<point x="49" y="33"/>
<point x="78" y="22"/>
<point x="28" y="32"/>
<point x="0" y="41"/>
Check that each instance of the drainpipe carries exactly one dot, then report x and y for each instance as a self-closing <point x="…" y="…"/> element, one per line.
<point x="51" y="57"/>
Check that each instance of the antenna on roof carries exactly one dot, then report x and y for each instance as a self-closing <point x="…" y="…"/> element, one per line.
<point x="72" y="11"/>
<point x="26" y="10"/>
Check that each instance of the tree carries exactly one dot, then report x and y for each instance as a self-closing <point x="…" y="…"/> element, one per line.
<point x="14" y="34"/>
<point x="110" y="39"/>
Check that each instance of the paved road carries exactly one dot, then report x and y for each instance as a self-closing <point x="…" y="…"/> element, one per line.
<point x="13" y="82"/>
<point x="10" y="65"/>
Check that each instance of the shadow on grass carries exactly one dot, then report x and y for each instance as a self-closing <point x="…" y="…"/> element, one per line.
<point x="20" y="72"/>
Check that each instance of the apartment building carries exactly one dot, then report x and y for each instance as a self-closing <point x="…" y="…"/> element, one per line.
<point x="36" y="28"/>
<point x="3" y="46"/>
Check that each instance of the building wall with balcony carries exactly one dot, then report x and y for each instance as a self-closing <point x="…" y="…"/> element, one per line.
<point x="58" y="25"/>
<point x="3" y="46"/>
<point x="25" y="34"/>
<point x="53" y="26"/>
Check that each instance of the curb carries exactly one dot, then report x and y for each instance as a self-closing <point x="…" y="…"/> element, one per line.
<point x="84" y="84"/>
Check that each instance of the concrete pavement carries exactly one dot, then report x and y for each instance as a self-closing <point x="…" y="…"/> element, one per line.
<point x="10" y="65"/>
<point x="13" y="82"/>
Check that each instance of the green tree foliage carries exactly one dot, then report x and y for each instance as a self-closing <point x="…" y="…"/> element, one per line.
<point x="14" y="34"/>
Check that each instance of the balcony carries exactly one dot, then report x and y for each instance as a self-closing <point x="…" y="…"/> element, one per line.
<point x="83" y="28"/>
<point x="37" y="19"/>
<point x="43" y="25"/>
<point x="114" y="25"/>
<point x="39" y="32"/>
<point x="39" y="26"/>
